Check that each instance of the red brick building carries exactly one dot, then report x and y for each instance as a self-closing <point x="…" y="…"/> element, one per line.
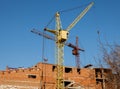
<point x="43" y="76"/>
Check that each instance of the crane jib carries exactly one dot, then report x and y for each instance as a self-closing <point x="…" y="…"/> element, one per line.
<point x="79" y="17"/>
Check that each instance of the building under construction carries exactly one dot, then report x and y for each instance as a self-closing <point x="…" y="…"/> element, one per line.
<point x="56" y="76"/>
<point x="43" y="76"/>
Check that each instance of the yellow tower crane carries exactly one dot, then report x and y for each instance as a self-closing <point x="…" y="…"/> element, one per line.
<point x="61" y="36"/>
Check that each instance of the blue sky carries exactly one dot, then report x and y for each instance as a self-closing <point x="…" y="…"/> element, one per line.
<point x="21" y="48"/>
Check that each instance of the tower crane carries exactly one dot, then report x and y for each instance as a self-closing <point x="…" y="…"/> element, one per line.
<point x="61" y="37"/>
<point x="75" y="52"/>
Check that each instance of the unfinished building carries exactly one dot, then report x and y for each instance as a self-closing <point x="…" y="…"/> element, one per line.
<point x="43" y="76"/>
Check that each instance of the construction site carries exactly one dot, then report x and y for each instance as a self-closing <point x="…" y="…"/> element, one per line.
<point x="44" y="75"/>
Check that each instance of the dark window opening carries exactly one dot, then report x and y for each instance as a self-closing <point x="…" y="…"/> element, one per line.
<point x="68" y="70"/>
<point x="107" y="70"/>
<point x="99" y="81"/>
<point x="78" y="70"/>
<point x="36" y="66"/>
<point x="32" y="76"/>
<point x="98" y="73"/>
<point x="66" y="83"/>
<point x="53" y="68"/>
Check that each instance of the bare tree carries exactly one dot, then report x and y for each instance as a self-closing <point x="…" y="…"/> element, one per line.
<point x="111" y="56"/>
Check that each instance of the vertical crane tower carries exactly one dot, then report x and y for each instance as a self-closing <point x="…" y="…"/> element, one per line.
<point x="61" y="37"/>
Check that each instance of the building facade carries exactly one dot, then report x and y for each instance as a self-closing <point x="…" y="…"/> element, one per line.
<point x="43" y="76"/>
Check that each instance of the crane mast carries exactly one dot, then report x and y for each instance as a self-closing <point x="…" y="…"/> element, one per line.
<point x="60" y="36"/>
<point x="77" y="58"/>
<point x="59" y="54"/>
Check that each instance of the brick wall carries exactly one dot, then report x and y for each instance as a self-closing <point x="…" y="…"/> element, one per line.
<point x="45" y="74"/>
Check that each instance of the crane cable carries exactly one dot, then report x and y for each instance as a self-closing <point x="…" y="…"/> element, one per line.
<point x="50" y="21"/>
<point x="71" y="9"/>
<point x="42" y="85"/>
<point x="63" y="11"/>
